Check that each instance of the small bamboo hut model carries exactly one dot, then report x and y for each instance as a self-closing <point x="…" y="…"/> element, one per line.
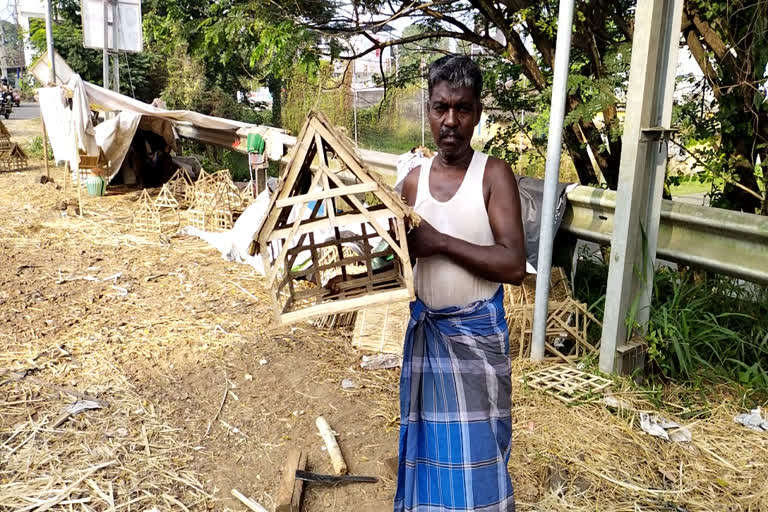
<point x="5" y="138"/>
<point x="13" y="159"/>
<point x="211" y="208"/>
<point x="167" y="208"/>
<point x="182" y="186"/>
<point x="248" y="194"/>
<point x="146" y="218"/>
<point x="305" y="216"/>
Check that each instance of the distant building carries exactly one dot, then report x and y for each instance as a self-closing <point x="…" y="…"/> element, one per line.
<point x="25" y="11"/>
<point x="365" y="69"/>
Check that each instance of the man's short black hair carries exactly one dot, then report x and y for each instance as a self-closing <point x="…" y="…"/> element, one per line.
<point x="458" y="71"/>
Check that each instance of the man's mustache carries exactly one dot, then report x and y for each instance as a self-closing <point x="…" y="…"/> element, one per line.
<point x="448" y="132"/>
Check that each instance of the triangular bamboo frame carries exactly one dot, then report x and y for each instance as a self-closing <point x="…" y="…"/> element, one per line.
<point x="166" y="199"/>
<point x="181" y="186"/>
<point x="315" y="139"/>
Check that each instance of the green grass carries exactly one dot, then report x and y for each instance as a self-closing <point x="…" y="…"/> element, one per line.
<point x="689" y="188"/>
<point x="34" y="149"/>
<point x="704" y="330"/>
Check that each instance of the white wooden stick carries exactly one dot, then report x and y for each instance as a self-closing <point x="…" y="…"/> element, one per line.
<point x="248" y="502"/>
<point x="339" y="466"/>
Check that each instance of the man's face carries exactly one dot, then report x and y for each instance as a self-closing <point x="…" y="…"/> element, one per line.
<point x="453" y="113"/>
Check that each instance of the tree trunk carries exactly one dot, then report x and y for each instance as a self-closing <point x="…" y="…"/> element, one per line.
<point x="739" y="148"/>
<point x="275" y="86"/>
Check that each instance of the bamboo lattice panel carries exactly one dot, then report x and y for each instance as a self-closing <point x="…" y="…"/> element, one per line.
<point x="565" y="383"/>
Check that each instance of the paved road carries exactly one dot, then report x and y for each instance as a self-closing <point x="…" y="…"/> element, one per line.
<point x="26" y="111"/>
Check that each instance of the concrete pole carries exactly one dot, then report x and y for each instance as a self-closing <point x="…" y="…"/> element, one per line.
<point x="641" y="179"/>
<point x="554" y="150"/>
<point x="115" y="46"/>
<point x="49" y="41"/>
<point x="105" y="52"/>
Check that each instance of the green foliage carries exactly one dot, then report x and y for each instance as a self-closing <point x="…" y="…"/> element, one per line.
<point x="240" y="45"/>
<point x="702" y="328"/>
<point x="318" y="91"/>
<point x="724" y="120"/>
<point x="394" y="125"/>
<point x="34" y="149"/>
<point x="693" y="327"/>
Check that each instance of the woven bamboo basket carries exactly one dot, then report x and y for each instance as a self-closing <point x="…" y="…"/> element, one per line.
<point x="382" y="328"/>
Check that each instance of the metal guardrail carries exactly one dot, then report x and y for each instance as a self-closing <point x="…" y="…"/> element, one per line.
<point x="723" y="241"/>
<point x="383" y="163"/>
<point x="731" y="243"/>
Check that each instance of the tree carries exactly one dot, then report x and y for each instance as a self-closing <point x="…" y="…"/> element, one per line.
<point x="729" y="40"/>
<point x="599" y="29"/>
<point x="240" y="42"/>
<point x="730" y="33"/>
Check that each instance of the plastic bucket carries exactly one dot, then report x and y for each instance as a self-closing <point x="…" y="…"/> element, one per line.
<point x="96" y="186"/>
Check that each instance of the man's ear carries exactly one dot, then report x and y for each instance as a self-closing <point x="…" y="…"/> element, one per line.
<point x="479" y="112"/>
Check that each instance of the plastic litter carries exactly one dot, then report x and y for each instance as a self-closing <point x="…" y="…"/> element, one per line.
<point x="381" y="362"/>
<point x="80" y="406"/>
<point x="348" y="384"/>
<point x="659" y="426"/>
<point x="753" y="420"/>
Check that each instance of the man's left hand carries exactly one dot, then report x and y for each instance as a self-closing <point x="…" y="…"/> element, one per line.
<point x="425" y="240"/>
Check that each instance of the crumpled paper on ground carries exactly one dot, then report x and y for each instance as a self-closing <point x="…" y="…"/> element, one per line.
<point x="658" y="426"/>
<point x="381" y="361"/>
<point x="80" y="406"/>
<point x="753" y="420"/>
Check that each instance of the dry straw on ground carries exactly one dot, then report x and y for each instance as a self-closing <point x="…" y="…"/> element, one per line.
<point x="133" y="456"/>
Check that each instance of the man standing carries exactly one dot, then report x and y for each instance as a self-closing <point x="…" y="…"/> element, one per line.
<point x="456" y="429"/>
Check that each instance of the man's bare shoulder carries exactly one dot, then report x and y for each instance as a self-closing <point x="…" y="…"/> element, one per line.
<point x="498" y="168"/>
<point x="499" y="176"/>
<point x="410" y="186"/>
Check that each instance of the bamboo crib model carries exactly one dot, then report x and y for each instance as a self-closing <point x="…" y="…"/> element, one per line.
<point x="332" y="204"/>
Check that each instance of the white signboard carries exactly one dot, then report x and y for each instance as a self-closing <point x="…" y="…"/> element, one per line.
<point x="41" y="69"/>
<point x="130" y="35"/>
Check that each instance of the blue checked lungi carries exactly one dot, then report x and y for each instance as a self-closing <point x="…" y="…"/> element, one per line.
<point x="455" y="424"/>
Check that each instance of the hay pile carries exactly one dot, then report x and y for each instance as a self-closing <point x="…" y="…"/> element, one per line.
<point x="81" y="322"/>
<point x="122" y="457"/>
<point x="185" y="305"/>
<point x="588" y="457"/>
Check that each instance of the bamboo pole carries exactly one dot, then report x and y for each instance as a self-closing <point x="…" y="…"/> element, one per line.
<point x="79" y="193"/>
<point x="45" y="149"/>
<point x="337" y="460"/>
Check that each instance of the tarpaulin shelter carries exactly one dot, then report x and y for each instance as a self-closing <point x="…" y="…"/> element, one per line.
<point x="66" y="111"/>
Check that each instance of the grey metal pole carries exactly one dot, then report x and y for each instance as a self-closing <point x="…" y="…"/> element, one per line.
<point x="49" y="41"/>
<point x="421" y="68"/>
<point x="554" y="142"/>
<point x="105" y="53"/>
<point x="115" y="46"/>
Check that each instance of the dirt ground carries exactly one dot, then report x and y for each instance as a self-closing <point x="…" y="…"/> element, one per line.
<point x="205" y="396"/>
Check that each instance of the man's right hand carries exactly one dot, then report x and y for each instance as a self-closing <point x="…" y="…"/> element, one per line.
<point x="425" y="240"/>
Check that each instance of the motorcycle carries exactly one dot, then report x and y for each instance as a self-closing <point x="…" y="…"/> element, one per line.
<point x="6" y="104"/>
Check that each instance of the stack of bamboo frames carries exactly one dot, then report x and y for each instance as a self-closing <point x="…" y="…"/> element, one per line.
<point x="567" y="318"/>
<point x="334" y="206"/>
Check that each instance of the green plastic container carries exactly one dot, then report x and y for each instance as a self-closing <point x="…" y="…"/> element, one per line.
<point x="97" y="186"/>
